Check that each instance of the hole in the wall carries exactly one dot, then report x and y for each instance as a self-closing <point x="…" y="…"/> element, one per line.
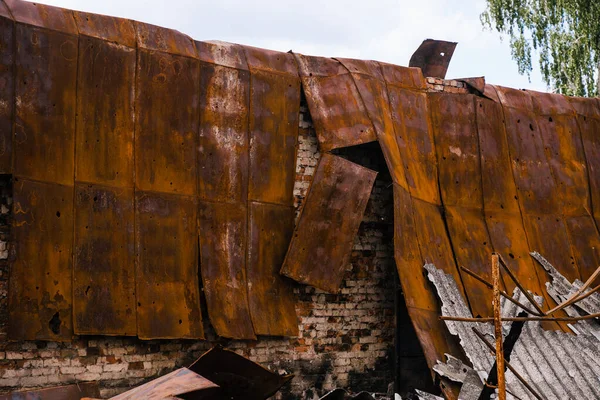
<point x="54" y="323"/>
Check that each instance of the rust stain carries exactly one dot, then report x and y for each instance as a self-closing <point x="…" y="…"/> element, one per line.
<point x="7" y="88"/>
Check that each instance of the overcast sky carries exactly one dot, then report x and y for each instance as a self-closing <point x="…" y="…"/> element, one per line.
<point x="384" y="30"/>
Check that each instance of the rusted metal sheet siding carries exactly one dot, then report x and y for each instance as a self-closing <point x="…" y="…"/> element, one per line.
<point x="270" y="295"/>
<point x="336" y="107"/>
<point x="104" y="300"/>
<point x="223" y="231"/>
<point x="105" y="117"/>
<point x="167" y="283"/>
<point x="166" y="130"/>
<point x="322" y="241"/>
<point x="40" y="293"/>
<point x="7" y="88"/>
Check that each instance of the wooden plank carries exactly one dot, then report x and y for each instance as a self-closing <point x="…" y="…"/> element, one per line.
<point x="270" y="295"/>
<point x="274" y="120"/>
<point x="44" y="141"/>
<point x="166" y="126"/>
<point x="7" y="88"/>
<point x="104" y="256"/>
<point x="323" y="239"/>
<point x="104" y="137"/>
<point x="223" y="237"/>
<point x="167" y="283"/>
<point x="223" y="139"/>
<point x="40" y="293"/>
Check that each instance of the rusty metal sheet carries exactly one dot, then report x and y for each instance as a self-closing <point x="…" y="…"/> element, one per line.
<point x="103" y="266"/>
<point x="152" y="37"/>
<point x="112" y="29"/>
<point x="323" y="239"/>
<point x="433" y="57"/>
<point x="68" y="392"/>
<point x="7" y="88"/>
<point x="472" y="249"/>
<point x="404" y="77"/>
<point x="166" y="125"/>
<point x="40" y="292"/>
<point x="271" y="61"/>
<point x="585" y="244"/>
<point x="43" y="16"/>
<point x="273" y="120"/>
<point x="337" y="110"/>
<point x="105" y="114"/>
<point x="223" y="233"/>
<point x="457" y="147"/>
<point x="555" y="246"/>
<point x="238" y="377"/>
<point x="167" y="282"/>
<point x="222" y="53"/>
<point x="181" y="383"/>
<point x="415" y="140"/>
<point x="533" y="177"/>
<point x="499" y="190"/>
<point x="223" y="139"/>
<point x="476" y="84"/>
<point x="270" y="295"/>
<point x="368" y="78"/>
<point x="46" y="68"/>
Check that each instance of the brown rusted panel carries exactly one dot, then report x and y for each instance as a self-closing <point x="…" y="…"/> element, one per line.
<point x="68" y="392"/>
<point x="104" y="256"/>
<point x="152" y="37"/>
<point x="323" y="239"/>
<point x="274" y="119"/>
<point x="223" y="139"/>
<point x="223" y="232"/>
<point x="104" y="137"/>
<point x="337" y="110"/>
<point x="43" y="16"/>
<point x="40" y="293"/>
<point x="7" y="88"/>
<point x="238" y="377"/>
<point x="499" y="190"/>
<point x="115" y="30"/>
<point x="167" y="282"/>
<point x="476" y="84"/>
<point x="406" y="77"/>
<point x="457" y="145"/>
<point x="585" y="244"/>
<point x="46" y="64"/>
<point x="271" y="61"/>
<point x="547" y="234"/>
<point x="433" y="57"/>
<point x="270" y="295"/>
<point x="368" y="77"/>
<point x="222" y="53"/>
<point x="415" y="139"/>
<point x="472" y="249"/>
<point x="166" y="125"/>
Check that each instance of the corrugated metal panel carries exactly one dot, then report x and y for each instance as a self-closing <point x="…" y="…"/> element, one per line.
<point x="558" y="365"/>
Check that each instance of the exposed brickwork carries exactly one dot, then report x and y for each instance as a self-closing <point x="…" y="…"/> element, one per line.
<point x="446" y="85"/>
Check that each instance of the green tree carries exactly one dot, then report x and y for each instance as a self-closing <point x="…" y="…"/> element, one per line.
<point x="565" y="34"/>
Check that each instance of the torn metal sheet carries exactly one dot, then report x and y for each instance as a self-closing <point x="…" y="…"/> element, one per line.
<point x="238" y="377"/>
<point x="585" y="244"/>
<point x="40" y="291"/>
<point x="181" y="383"/>
<point x="475" y="84"/>
<point x="273" y="121"/>
<point x="403" y="77"/>
<point x="167" y="282"/>
<point x="104" y="137"/>
<point x="67" y="392"/>
<point x="335" y="105"/>
<point x="223" y="230"/>
<point x="166" y="122"/>
<point x="45" y="104"/>
<point x="433" y="57"/>
<point x="104" y="301"/>
<point x="270" y="295"/>
<point x="223" y="139"/>
<point x="558" y="365"/>
<point x="368" y="78"/>
<point x="7" y="88"/>
<point x="323" y="239"/>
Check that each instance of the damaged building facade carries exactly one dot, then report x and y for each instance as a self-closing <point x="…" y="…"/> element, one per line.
<point x="162" y="195"/>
